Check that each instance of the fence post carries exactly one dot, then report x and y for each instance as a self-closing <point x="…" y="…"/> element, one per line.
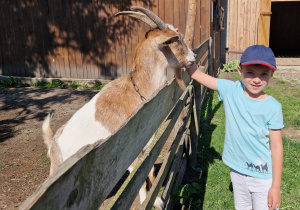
<point x="210" y="58"/>
<point x="194" y="131"/>
<point x="190" y="23"/>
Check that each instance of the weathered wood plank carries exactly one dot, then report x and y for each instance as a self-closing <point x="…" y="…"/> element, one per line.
<point x="190" y="23"/>
<point x="94" y="170"/>
<point x="246" y="23"/>
<point x="205" y="19"/>
<point x="253" y="22"/>
<point x="240" y="25"/>
<point x="264" y="22"/>
<point x="174" y="168"/>
<point x="194" y="128"/>
<point x="132" y="184"/>
<point x="201" y="50"/>
<point x="181" y="172"/>
<point x="197" y="32"/>
<point x="148" y="203"/>
<point x="210" y="58"/>
<point x="169" y="11"/>
<point x="232" y="31"/>
<point x="182" y="16"/>
<point x="176" y="14"/>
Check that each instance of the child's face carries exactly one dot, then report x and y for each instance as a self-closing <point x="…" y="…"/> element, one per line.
<point x="255" y="79"/>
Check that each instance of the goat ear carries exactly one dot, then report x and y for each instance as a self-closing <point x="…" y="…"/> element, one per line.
<point x="165" y="41"/>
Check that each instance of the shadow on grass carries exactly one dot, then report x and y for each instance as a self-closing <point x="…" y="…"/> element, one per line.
<point x="207" y="154"/>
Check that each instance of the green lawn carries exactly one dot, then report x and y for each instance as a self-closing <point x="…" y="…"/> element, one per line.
<point x="214" y="190"/>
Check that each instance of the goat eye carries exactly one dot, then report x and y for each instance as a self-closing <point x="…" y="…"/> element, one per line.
<point x="168" y="42"/>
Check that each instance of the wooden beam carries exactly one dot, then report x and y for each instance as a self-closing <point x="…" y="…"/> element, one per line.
<point x="190" y="23"/>
<point x="264" y="22"/>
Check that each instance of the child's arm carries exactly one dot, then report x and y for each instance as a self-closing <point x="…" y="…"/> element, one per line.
<point x="202" y="78"/>
<point x="274" y="196"/>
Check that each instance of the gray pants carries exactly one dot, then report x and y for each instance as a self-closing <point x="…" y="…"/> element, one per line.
<point x="249" y="192"/>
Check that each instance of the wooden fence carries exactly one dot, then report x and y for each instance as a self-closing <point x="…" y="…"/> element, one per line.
<point x="85" y="180"/>
<point x="82" y="38"/>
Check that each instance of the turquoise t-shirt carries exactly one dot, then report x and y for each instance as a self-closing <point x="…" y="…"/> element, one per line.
<point x="247" y="147"/>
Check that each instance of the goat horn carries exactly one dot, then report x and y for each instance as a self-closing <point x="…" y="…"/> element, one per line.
<point x="160" y="24"/>
<point x="139" y="16"/>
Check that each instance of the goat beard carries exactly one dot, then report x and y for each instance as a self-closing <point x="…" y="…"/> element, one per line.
<point x="178" y="75"/>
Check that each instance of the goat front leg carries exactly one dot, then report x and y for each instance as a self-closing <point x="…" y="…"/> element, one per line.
<point x="158" y="203"/>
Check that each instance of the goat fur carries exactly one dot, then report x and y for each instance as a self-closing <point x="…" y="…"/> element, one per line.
<point x="157" y="52"/>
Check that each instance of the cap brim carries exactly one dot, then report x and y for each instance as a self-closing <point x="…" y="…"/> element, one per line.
<point x="259" y="63"/>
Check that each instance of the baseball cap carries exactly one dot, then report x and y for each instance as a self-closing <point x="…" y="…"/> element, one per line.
<point x="258" y="54"/>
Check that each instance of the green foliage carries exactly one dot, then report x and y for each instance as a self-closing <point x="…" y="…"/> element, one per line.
<point x="10" y="82"/>
<point x="231" y="66"/>
<point x="39" y="84"/>
<point x="98" y="86"/>
<point x="75" y="85"/>
<point x="57" y="83"/>
<point x="188" y="193"/>
<point x="54" y="84"/>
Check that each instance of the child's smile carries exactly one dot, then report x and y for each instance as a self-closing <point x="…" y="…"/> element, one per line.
<point x="255" y="79"/>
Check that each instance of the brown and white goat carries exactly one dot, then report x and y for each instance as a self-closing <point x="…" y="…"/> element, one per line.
<point x="161" y="49"/>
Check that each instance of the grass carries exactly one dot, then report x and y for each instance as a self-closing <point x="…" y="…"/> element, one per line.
<point x="215" y="191"/>
<point x="289" y="97"/>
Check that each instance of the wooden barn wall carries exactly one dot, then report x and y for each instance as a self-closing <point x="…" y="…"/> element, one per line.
<point x="81" y="38"/>
<point x="242" y="26"/>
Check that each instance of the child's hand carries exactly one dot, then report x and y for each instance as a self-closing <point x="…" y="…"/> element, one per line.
<point x="274" y="198"/>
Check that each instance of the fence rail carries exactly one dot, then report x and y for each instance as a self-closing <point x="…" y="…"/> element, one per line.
<point x="86" y="179"/>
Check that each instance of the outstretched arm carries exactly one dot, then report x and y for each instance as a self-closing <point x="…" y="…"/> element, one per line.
<point x="202" y="78"/>
<point x="274" y="197"/>
<point x="199" y="76"/>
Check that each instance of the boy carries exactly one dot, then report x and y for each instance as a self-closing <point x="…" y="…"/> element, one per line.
<point x="253" y="144"/>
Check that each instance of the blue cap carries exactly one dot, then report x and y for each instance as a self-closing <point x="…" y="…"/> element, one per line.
<point x="258" y="54"/>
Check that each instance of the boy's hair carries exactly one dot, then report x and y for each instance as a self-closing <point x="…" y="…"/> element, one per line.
<point x="258" y="54"/>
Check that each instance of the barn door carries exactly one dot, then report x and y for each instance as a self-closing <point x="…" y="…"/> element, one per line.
<point x="264" y="22"/>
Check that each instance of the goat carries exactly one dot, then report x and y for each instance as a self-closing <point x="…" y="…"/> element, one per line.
<point x="160" y="49"/>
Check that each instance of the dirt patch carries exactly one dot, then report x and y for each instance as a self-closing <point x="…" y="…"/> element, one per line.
<point x="291" y="133"/>
<point x="23" y="162"/>
<point x="289" y="74"/>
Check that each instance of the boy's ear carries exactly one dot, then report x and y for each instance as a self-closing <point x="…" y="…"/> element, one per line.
<point x="239" y="69"/>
